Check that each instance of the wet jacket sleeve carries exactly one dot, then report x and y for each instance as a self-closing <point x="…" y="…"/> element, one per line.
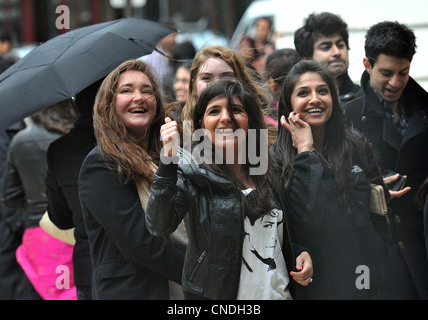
<point x="306" y="184"/>
<point x="13" y="194"/>
<point x="167" y="204"/>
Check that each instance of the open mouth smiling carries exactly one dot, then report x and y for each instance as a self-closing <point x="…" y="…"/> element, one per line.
<point x="314" y="110"/>
<point x="224" y="131"/>
<point x="138" y="110"/>
<point x="392" y="91"/>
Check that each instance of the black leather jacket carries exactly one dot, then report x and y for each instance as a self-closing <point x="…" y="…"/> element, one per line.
<point x="25" y="172"/>
<point x="214" y="254"/>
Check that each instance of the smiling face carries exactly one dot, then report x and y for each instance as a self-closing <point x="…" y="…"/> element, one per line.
<point x="218" y="122"/>
<point x="311" y="98"/>
<point x="135" y="102"/>
<point x="389" y="76"/>
<point x="181" y="84"/>
<point x="213" y="68"/>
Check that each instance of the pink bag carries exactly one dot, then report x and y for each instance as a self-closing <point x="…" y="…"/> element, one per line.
<point x="48" y="264"/>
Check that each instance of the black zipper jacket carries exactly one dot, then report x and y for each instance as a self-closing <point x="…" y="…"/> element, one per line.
<point x="211" y="208"/>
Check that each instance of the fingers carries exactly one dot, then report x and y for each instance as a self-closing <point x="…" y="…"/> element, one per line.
<point x="168" y="130"/>
<point x="397" y="194"/>
<point x="301" y="279"/>
<point x="293" y="119"/>
<point x="390" y="179"/>
<point x="304" y="272"/>
<point x="284" y="123"/>
<point x="170" y="137"/>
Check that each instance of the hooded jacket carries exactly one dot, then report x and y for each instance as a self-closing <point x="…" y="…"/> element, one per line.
<point x="214" y="218"/>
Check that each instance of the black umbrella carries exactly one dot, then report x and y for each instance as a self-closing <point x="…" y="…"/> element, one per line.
<point x="63" y="66"/>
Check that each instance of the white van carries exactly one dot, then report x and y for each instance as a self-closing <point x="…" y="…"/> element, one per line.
<point x="288" y="16"/>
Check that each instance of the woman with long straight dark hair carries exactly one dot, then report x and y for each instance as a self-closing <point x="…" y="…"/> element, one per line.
<point x="326" y="169"/>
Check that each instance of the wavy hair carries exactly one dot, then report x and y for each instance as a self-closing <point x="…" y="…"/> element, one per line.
<point x="58" y="117"/>
<point x="121" y="150"/>
<point x="235" y="61"/>
<point x="315" y="26"/>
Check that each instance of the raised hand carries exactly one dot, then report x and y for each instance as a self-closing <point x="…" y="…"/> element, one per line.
<point x="170" y="137"/>
<point x="300" y="131"/>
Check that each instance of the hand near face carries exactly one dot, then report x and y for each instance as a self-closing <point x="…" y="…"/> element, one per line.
<point x="170" y="137"/>
<point x="300" y="131"/>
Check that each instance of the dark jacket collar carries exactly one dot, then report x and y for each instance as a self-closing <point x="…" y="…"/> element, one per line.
<point x="198" y="174"/>
<point x="346" y="85"/>
<point x="414" y="98"/>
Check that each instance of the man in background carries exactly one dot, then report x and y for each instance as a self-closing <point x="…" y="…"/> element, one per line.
<point x="392" y="112"/>
<point x="324" y="38"/>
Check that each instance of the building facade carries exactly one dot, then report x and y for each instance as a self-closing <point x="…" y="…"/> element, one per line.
<point x="35" y="21"/>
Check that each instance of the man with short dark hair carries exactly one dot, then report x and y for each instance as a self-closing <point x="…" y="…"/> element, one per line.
<point x="392" y="112"/>
<point x="324" y="38"/>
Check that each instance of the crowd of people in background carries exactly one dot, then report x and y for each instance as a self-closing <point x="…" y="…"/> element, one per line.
<point x="154" y="216"/>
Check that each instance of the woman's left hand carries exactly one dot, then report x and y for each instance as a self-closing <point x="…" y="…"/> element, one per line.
<point x="304" y="272"/>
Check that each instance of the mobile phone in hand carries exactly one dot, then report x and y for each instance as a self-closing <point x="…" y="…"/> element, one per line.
<point x="396" y="185"/>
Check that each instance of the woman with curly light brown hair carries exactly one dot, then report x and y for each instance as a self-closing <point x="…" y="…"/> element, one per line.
<point x="128" y="262"/>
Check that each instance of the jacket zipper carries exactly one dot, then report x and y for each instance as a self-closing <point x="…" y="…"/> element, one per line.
<point x="200" y="259"/>
<point x="241" y="244"/>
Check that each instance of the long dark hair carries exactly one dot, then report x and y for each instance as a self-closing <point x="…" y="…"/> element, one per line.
<point x="230" y="88"/>
<point x="342" y="145"/>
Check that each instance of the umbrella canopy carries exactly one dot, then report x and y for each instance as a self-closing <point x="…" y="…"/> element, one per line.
<point x="63" y="66"/>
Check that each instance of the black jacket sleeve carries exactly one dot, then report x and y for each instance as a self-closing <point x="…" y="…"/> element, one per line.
<point x="58" y="209"/>
<point x="120" y="222"/>
<point x="167" y="204"/>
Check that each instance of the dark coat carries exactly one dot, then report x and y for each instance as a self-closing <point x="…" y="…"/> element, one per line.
<point x="215" y="227"/>
<point x="407" y="155"/>
<point x="25" y="172"/>
<point x="65" y="157"/>
<point x="14" y="284"/>
<point x="128" y="262"/>
<point x="13" y="218"/>
<point x="347" y="89"/>
<point x="341" y="238"/>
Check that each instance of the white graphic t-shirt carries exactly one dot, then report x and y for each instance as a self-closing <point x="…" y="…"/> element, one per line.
<point x="264" y="275"/>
